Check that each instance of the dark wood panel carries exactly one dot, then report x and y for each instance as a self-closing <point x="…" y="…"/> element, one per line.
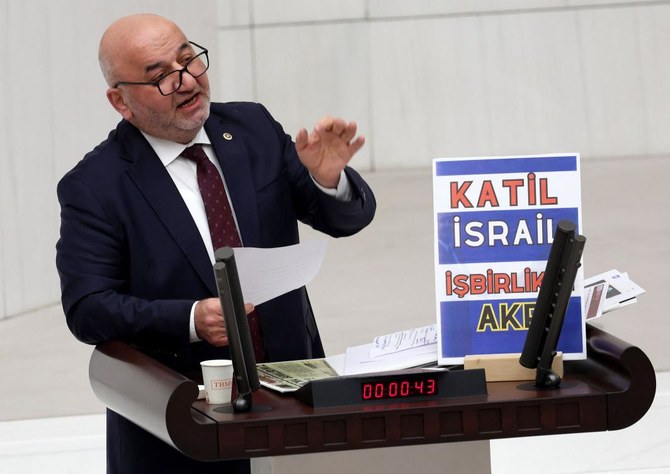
<point x="612" y="389"/>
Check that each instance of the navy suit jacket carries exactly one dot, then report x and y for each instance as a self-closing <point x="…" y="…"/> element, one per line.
<point x="132" y="262"/>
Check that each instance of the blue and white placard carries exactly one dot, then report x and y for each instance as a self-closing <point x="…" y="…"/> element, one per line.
<point x="494" y="223"/>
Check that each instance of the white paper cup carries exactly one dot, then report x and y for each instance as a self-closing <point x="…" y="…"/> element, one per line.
<point x="218" y="379"/>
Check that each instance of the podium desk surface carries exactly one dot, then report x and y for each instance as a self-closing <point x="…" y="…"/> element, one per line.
<point x="611" y="389"/>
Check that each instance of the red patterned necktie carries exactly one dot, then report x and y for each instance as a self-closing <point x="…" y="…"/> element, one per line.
<point x="221" y="223"/>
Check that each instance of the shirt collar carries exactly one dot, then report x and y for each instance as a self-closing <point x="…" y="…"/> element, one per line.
<point x="169" y="151"/>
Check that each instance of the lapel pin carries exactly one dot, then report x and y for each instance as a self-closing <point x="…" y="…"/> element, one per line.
<point x="227" y="136"/>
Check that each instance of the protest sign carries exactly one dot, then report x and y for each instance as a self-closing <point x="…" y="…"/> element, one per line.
<point x="494" y="224"/>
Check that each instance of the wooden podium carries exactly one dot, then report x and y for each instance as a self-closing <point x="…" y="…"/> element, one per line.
<point x="611" y="389"/>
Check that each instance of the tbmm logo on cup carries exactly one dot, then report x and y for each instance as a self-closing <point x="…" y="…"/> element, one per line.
<point x="222" y="384"/>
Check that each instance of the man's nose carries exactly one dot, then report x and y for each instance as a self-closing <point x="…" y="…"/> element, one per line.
<point x="187" y="80"/>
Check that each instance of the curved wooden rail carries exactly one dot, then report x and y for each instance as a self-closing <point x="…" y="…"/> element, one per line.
<point x="152" y="396"/>
<point x="611" y="389"/>
<point x="622" y="371"/>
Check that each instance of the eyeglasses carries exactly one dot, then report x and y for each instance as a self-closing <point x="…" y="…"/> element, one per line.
<point x="171" y="82"/>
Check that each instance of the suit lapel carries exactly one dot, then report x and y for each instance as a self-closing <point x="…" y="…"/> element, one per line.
<point x="237" y="171"/>
<point x="155" y="184"/>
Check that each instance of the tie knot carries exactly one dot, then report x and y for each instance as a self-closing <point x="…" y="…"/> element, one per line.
<point x="195" y="153"/>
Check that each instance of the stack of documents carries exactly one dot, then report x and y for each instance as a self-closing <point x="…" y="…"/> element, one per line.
<point x="289" y="376"/>
<point x="399" y="350"/>
<point x="609" y="291"/>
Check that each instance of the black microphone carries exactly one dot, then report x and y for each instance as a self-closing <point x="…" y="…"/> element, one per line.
<point x="237" y="327"/>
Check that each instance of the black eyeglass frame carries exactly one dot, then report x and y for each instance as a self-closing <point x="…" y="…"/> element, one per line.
<point x="180" y="71"/>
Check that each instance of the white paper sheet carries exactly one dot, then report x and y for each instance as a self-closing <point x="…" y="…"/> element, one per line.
<point x="268" y="273"/>
<point x="403" y="340"/>
<point x="621" y="290"/>
<point x="358" y="360"/>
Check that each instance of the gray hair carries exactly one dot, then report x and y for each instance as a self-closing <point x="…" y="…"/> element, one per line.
<point x="108" y="69"/>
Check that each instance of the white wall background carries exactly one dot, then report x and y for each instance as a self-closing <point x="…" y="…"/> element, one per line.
<point x="423" y="79"/>
<point x="53" y="110"/>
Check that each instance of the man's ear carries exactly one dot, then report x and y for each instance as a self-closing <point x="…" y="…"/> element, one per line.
<point x="115" y="97"/>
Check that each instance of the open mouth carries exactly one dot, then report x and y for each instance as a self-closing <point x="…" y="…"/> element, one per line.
<point x="189" y="102"/>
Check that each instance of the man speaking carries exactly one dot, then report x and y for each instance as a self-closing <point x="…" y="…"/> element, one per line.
<point x="143" y="212"/>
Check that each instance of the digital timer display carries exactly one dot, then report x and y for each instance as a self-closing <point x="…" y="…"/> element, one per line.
<point x="400" y="387"/>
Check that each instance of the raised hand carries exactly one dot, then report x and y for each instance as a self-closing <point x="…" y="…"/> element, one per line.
<point x="328" y="149"/>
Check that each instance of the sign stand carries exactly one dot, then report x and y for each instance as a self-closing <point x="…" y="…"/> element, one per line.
<point x="506" y="367"/>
